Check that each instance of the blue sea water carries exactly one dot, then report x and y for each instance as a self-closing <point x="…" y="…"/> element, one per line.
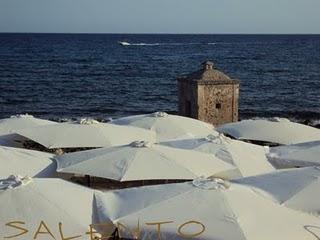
<point x="92" y="75"/>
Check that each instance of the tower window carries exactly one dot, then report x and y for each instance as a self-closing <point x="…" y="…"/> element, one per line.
<point x="218" y="105"/>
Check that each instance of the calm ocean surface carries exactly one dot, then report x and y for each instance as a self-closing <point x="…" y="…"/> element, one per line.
<point x="70" y="75"/>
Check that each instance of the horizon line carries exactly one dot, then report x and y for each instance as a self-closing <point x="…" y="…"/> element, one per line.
<point x="159" y="33"/>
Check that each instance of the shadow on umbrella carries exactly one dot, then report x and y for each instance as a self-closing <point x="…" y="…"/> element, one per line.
<point x="109" y="184"/>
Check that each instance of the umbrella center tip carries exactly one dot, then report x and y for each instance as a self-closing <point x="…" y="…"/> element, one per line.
<point x="140" y="144"/>
<point x="160" y="114"/>
<point x="211" y="184"/>
<point x="14" y="182"/>
<point x="216" y="138"/>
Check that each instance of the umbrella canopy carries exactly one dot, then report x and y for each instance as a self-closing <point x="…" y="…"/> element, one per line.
<point x="277" y="130"/>
<point x="202" y="209"/>
<point x="296" y="155"/>
<point x="47" y="201"/>
<point x="8" y="126"/>
<point x="250" y="159"/>
<point x="295" y="188"/>
<point x="26" y="162"/>
<point x="144" y="161"/>
<point x="92" y="134"/>
<point x="168" y="126"/>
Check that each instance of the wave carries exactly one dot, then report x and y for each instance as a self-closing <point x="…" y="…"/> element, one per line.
<point x="163" y="44"/>
<point x="315" y="123"/>
<point x="144" y="44"/>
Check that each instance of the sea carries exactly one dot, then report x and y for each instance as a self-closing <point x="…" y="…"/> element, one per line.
<point x="70" y="76"/>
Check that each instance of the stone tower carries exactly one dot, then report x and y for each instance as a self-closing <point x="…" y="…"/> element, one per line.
<point x="209" y="95"/>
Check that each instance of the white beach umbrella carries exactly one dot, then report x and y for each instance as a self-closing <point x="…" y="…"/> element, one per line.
<point x="296" y="155"/>
<point x="144" y="161"/>
<point x="202" y="209"/>
<point x="276" y="130"/>
<point x="168" y="126"/>
<point x="294" y="188"/>
<point x="92" y="134"/>
<point x="26" y="163"/>
<point x="39" y="205"/>
<point x="8" y="126"/>
<point x="250" y="159"/>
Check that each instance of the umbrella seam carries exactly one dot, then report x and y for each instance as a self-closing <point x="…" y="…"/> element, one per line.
<point x="300" y="190"/>
<point x="128" y="165"/>
<point x="84" y="160"/>
<point x="236" y="217"/>
<point x="52" y="203"/>
<point x="182" y="166"/>
<point x="152" y="205"/>
<point x="174" y="161"/>
<point x="166" y="159"/>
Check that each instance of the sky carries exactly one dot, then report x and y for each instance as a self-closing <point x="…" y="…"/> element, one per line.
<point x="160" y="16"/>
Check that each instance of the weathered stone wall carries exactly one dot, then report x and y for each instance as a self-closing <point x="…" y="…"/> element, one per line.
<point x="188" y="93"/>
<point x="218" y="104"/>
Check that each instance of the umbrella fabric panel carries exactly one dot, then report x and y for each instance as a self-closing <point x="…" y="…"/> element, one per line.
<point x="295" y="188"/>
<point x="9" y="125"/>
<point x="51" y="201"/>
<point x="167" y="126"/>
<point x="128" y="166"/>
<point x="94" y="163"/>
<point x="188" y="205"/>
<point x="200" y="164"/>
<point x="260" y="218"/>
<point x="140" y="197"/>
<point x="145" y="162"/>
<point x="249" y="158"/>
<point x="202" y="145"/>
<point x="67" y="135"/>
<point x="302" y="155"/>
<point x="121" y="135"/>
<point x="279" y="131"/>
<point x="179" y="211"/>
<point x="163" y="126"/>
<point x="234" y="212"/>
<point x="307" y="199"/>
<point x="26" y="163"/>
<point x="152" y="166"/>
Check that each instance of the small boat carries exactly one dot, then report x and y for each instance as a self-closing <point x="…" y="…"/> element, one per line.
<point x="124" y="43"/>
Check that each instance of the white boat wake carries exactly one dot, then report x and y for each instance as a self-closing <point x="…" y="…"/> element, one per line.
<point x="123" y="43"/>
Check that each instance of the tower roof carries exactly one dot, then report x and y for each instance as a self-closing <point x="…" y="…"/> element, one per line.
<point x="208" y="75"/>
